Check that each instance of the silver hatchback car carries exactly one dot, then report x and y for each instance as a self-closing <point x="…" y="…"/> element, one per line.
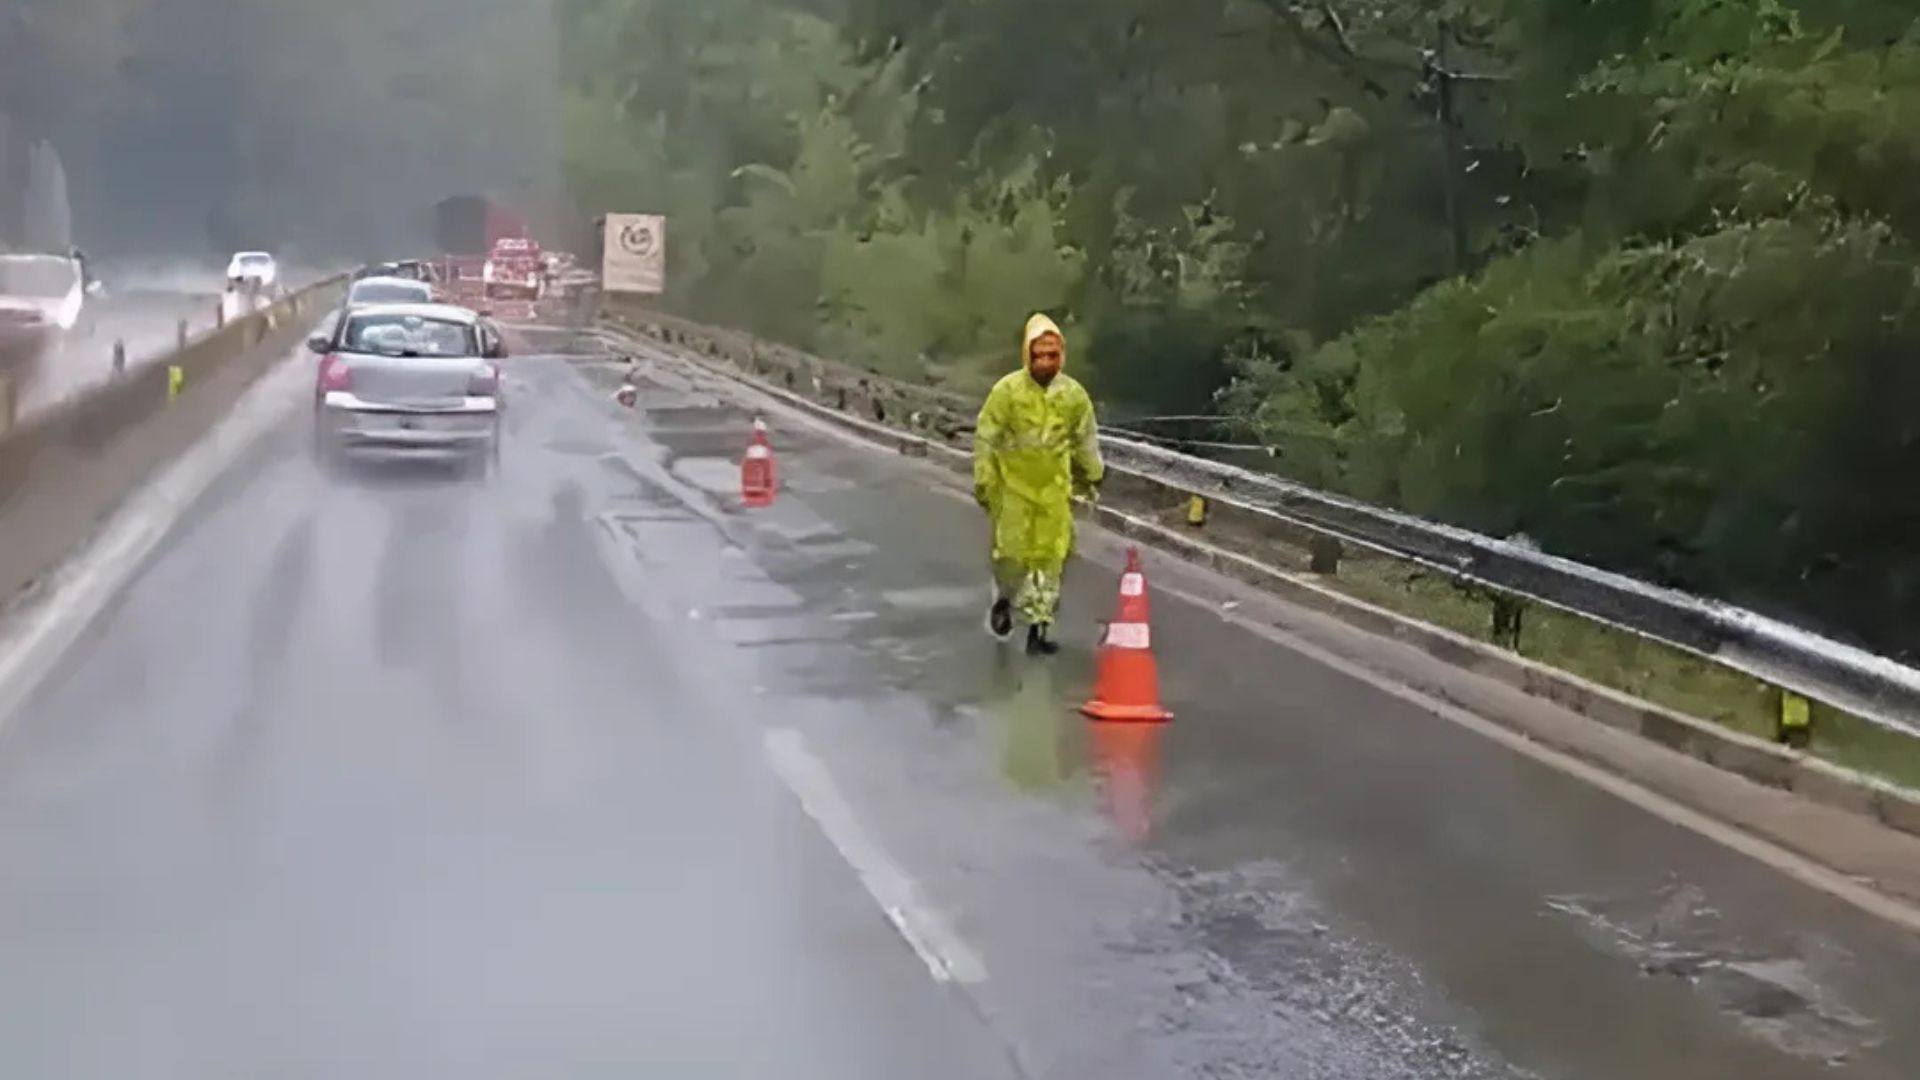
<point x="413" y="379"/>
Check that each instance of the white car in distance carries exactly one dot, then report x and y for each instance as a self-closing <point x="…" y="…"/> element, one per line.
<point x="42" y="299"/>
<point x="389" y="290"/>
<point x="256" y="270"/>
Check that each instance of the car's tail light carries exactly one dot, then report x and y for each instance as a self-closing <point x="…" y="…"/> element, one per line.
<point x="485" y="382"/>
<point x="335" y="375"/>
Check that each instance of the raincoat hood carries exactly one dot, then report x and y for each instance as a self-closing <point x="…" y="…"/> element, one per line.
<point x="1038" y="327"/>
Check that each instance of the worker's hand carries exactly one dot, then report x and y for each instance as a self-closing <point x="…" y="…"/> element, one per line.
<point x="983" y="496"/>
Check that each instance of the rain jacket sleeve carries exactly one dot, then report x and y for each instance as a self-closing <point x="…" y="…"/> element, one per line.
<point x="988" y="432"/>
<point x="1089" y="471"/>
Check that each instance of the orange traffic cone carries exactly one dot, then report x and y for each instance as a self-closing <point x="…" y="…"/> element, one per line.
<point x="1128" y="688"/>
<point x="757" y="479"/>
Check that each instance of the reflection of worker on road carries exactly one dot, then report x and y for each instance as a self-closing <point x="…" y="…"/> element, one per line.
<point x="1037" y="753"/>
<point x="1034" y="448"/>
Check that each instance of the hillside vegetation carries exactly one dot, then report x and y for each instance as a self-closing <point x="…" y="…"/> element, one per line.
<point x="1633" y="277"/>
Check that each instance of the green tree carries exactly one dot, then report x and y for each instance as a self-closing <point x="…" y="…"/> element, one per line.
<point x="1629" y="276"/>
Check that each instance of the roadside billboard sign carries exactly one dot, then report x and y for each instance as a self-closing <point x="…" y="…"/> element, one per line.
<point x="634" y="254"/>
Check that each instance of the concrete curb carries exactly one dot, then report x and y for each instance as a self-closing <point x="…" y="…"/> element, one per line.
<point x="1731" y="751"/>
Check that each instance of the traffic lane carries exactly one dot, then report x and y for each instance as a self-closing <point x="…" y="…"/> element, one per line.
<point x="386" y="777"/>
<point x="147" y="323"/>
<point x="1349" y="852"/>
<point x="1086" y="970"/>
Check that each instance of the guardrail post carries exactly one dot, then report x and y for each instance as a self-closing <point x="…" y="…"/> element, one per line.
<point x="9" y="403"/>
<point x="120" y="357"/>
<point x="1508" y="612"/>
<point x="220" y="312"/>
<point x="180" y="334"/>
<point x="1323" y="555"/>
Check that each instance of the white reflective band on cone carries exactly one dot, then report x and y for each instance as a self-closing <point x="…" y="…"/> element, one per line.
<point x="1132" y="585"/>
<point x="1130" y="635"/>
<point x="756" y="453"/>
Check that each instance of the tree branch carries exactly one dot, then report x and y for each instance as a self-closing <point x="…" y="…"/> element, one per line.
<point x="1340" y="53"/>
<point x="1339" y="28"/>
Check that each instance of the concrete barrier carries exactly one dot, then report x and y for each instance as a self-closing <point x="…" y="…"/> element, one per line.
<point x="63" y="471"/>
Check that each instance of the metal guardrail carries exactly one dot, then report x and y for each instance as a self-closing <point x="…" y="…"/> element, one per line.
<point x="1869" y="686"/>
<point x="1874" y="688"/>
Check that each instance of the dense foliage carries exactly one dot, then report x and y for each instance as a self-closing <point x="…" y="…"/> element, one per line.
<point x="199" y="126"/>
<point x="1634" y="277"/>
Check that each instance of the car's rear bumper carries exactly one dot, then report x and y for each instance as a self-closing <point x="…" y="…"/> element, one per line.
<point x="353" y="424"/>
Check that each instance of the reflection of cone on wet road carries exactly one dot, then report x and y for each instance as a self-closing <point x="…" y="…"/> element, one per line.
<point x="757" y="480"/>
<point x="1128" y="688"/>
<point x="1126" y="758"/>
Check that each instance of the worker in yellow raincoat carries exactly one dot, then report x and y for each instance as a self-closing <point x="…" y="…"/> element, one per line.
<point x="1034" y="448"/>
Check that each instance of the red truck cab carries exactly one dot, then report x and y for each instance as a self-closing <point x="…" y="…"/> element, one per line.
<point x="514" y="269"/>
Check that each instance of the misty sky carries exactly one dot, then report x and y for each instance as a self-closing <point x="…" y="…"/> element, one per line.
<point x="318" y="127"/>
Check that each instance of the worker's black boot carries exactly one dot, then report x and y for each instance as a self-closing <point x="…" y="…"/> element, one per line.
<point x="1040" y="640"/>
<point x="1000" y="618"/>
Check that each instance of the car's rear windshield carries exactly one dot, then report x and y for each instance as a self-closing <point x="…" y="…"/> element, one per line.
<point x="40" y="277"/>
<point x="389" y="334"/>
<point x="255" y="259"/>
<point x="389" y="292"/>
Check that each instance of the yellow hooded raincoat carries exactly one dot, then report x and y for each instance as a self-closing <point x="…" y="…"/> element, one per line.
<point x="1033" y="447"/>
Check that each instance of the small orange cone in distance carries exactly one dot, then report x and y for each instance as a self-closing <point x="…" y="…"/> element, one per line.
<point x="757" y="478"/>
<point x="1128" y="686"/>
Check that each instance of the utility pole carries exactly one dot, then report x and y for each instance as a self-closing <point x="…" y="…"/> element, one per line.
<point x="1438" y="71"/>
<point x="1443" y="78"/>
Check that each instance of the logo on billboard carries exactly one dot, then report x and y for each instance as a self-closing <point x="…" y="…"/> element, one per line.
<point x="637" y="239"/>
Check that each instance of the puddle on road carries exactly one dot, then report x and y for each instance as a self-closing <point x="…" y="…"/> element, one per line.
<point x="936" y="598"/>
<point x="1677" y="935"/>
<point x="715" y="476"/>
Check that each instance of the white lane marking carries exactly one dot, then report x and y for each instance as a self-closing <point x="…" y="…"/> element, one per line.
<point x="948" y="958"/>
<point x="46" y="628"/>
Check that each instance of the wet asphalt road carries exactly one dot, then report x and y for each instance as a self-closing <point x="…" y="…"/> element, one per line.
<point x="404" y="774"/>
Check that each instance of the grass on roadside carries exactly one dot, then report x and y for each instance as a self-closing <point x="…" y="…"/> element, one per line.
<point x="1633" y="665"/>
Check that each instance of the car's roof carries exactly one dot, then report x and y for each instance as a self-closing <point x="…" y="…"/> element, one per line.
<point x="388" y="279"/>
<point x="32" y="257"/>
<point x="443" y="312"/>
<point x="253" y="255"/>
